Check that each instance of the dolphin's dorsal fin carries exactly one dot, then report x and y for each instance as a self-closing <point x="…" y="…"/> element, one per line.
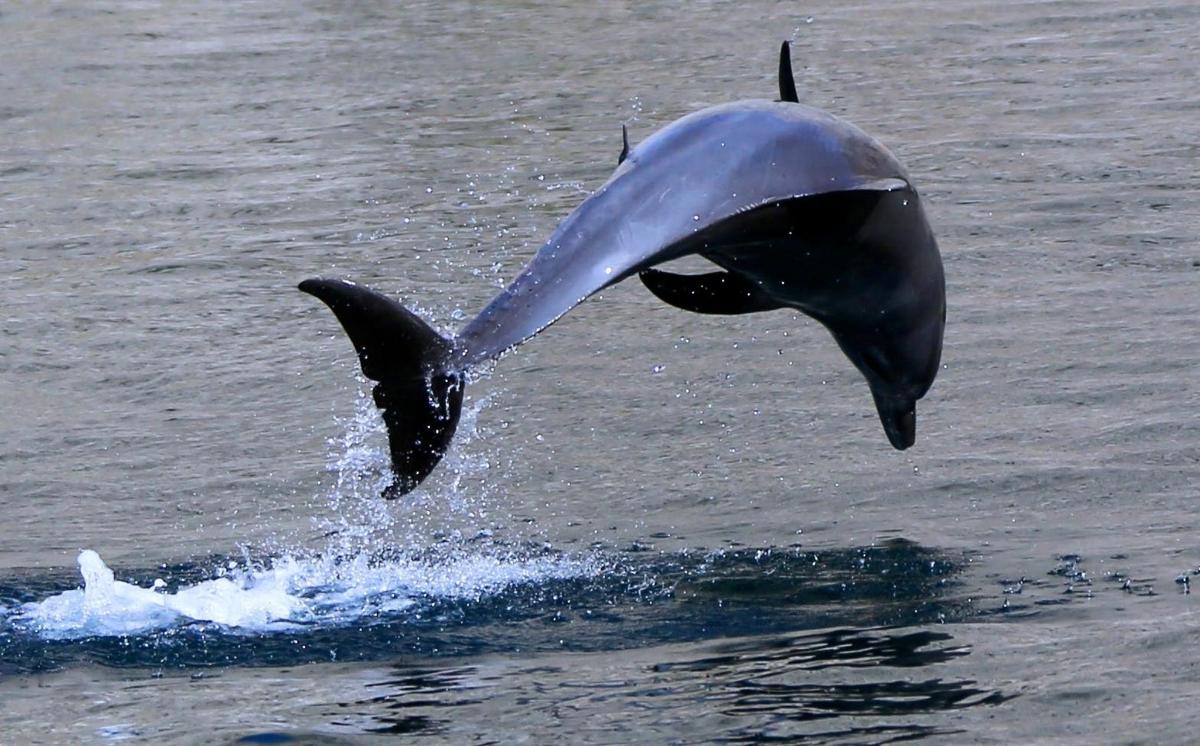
<point x="787" y="84"/>
<point x="624" y="145"/>
<point x="716" y="292"/>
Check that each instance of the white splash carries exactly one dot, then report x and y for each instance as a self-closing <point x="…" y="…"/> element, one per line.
<point x="372" y="563"/>
<point x="293" y="592"/>
<point x="106" y="606"/>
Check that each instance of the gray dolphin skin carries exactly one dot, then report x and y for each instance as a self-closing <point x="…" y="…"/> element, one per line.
<point x="797" y="208"/>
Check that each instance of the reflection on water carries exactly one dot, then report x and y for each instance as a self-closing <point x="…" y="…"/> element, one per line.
<point x="757" y="689"/>
<point x="739" y="646"/>
<point x="856" y="648"/>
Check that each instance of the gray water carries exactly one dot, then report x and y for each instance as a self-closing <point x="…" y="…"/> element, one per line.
<point x="657" y="526"/>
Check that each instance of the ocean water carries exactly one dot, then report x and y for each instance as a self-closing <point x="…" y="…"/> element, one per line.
<point x="654" y="527"/>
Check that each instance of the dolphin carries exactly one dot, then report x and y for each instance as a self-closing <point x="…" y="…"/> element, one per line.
<point x="796" y="208"/>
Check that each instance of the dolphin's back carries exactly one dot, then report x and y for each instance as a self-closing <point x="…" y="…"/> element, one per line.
<point x="774" y="150"/>
<point x="706" y="167"/>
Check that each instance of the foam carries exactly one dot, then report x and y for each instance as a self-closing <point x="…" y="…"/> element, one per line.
<point x="294" y="592"/>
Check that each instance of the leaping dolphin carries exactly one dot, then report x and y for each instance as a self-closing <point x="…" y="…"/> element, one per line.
<point x="798" y="208"/>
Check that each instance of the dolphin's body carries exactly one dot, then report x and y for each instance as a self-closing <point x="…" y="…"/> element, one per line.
<point x="797" y="207"/>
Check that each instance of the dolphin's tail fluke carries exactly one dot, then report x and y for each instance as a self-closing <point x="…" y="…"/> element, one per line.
<point x="420" y="389"/>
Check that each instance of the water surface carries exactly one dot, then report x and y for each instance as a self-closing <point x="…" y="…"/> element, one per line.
<point x="658" y="526"/>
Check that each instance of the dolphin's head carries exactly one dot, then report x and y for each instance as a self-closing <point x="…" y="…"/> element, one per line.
<point x="899" y="418"/>
<point x="899" y="365"/>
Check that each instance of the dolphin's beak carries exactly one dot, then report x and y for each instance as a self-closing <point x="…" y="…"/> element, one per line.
<point x="899" y="422"/>
<point x="901" y="429"/>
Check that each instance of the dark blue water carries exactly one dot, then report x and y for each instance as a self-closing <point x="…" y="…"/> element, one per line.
<point x="633" y="599"/>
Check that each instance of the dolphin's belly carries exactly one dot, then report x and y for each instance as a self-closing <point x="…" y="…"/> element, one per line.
<point x="849" y="260"/>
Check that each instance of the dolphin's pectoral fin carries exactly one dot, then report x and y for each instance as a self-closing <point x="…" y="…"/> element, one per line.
<point x="716" y="292"/>
<point x="624" y="145"/>
<point x="787" y="84"/>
